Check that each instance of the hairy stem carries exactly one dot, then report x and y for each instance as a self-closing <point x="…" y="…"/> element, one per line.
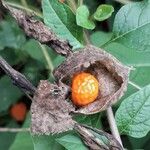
<point x="72" y="4"/>
<point x="17" y="78"/>
<point x="113" y="126"/>
<point x="14" y="130"/>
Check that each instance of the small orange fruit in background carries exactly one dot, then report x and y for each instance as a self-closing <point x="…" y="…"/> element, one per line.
<point x="18" y="111"/>
<point x="85" y="89"/>
<point x="61" y="1"/>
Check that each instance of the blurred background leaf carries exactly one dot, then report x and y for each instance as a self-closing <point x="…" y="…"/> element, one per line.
<point x="8" y="98"/>
<point x="23" y="140"/>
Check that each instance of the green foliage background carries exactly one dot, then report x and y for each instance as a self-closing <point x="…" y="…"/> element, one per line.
<point x="125" y="34"/>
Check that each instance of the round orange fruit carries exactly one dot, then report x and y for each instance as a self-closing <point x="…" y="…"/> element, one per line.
<point x="18" y="111"/>
<point x="85" y="89"/>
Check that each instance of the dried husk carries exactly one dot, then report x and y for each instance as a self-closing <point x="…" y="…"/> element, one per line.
<point x="111" y="74"/>
<point x="50" y="113"/>
<point x="96" y="139"/>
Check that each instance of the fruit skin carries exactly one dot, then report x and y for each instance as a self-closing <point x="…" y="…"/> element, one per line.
<point x="18" y="111"/>
<point x="85" y="88"/>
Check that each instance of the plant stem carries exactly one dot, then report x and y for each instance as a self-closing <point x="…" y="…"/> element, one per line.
<point x="47" y="58"/>
<point x="24" y="8"/>
<point x="80" y="2"/>
<point x="13" y="130"/>
<point x="86" y="37"/>
<point x="113" y="126"/>
<point x="124" y="2"/>
<point x="135" y="85"/>
<point x="24" y="3"/>
<point x="72" y="4"/>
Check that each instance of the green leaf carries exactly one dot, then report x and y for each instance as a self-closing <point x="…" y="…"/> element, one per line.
<point x="93" y="120"/>
<point x="99" y="38"/>
<point x="61" y="20"/>
<point x="45" y="142"/>
<point x="6" y="138"/>
<point x="71" y="142"/>
<point x="128" y="56"/>
<point x="132" y="26"/>
<point x="13" y="57"/>
<point x="130" y="42"/>
<point x="9" y="93"/>
<point x="34" y="73"/>
<point x="33" y="49"/>
<point x="83" y="18"/>
<point x="139" y="144"/>
<point x="10" y="35"/>
<point x="103" y="12"/>
<point x="23" y="140"/>
<point x="140" y="76"/>
<point x="132" y="116"/>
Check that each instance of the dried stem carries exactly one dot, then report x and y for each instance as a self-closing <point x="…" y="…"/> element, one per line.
<point x="18" y="79"/>
<point x="14" y="130"/>
<point x="93" y="142"/>
<point x="37" y="30"/>
<point x="113" y="126"/>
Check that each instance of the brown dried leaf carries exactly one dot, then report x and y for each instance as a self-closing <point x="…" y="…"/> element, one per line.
<point x="50" y="111"/>
<point x="37" y="30"/>
<point x="97" y="139"/>
<point x="111" y="74"/>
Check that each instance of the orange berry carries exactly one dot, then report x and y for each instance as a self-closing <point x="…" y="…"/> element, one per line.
<point x="85" y="89"/>
<point x="18" y="111"/>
